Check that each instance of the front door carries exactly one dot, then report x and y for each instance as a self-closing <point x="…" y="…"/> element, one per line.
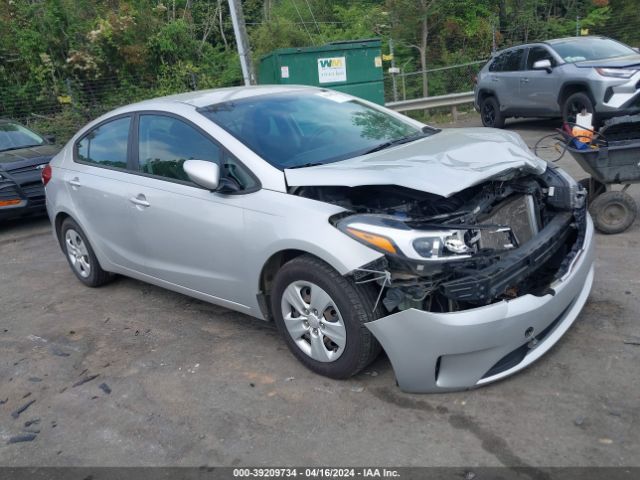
<point x="186" y="235"/>
<point x="539" y="88"/>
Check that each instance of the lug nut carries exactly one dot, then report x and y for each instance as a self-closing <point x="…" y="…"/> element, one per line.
<point x="315" y="330"/>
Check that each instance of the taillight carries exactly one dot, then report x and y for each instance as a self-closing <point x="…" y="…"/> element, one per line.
<point x="46" y="174"/>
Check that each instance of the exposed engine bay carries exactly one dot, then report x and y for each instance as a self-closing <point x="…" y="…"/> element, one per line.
<point x="498" y="240"/>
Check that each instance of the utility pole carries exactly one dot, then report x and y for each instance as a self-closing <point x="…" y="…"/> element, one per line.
<point x="244" y="52"/>
<point x="493" y="37"/>
<point x="393" y="70"/>
<point x="577" y="26"/>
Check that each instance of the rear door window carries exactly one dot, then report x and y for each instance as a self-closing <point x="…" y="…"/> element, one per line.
<point x="513" y="60"/>
<point x="497" y="65"/>
<point x="106" y="145"/>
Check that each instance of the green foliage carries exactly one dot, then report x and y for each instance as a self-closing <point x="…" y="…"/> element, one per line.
<point x="70" y="60"/>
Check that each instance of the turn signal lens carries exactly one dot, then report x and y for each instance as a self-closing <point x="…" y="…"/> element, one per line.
<point x="46" y="174"/>
<point x="8" y="203"/>
<point x="378" y="241"/>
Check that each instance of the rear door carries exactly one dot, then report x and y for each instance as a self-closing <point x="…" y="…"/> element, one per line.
<point x="185" y="234"/>
<point x="511" y="74"/>
<point x="97" y="184"/>
<point x="539" y="88"/>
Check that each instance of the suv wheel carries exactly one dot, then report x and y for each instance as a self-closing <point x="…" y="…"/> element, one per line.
<point x="321" y="316"/>
<point x="574" y="104"/>
<point x="490" y="113"/>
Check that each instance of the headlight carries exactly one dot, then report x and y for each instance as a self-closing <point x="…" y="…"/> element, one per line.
<point x="617" y="72"/>
<point x="390" y="235"/>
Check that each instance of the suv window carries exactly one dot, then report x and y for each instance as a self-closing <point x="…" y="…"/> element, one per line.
<point x="498" y="63"/>
<point x="513" y="60"/>
<point x="166" y="142"/>
<point x="509" y="61"/>
<point x="539" y="53"/>
<point x="106" y="145"/>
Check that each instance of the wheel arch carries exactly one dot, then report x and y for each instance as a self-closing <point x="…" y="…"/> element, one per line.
<point x="571" y="87"/>
<point x="57" y="224"/>
<point x="484" y="93"/>
<point x="269" y="271"/>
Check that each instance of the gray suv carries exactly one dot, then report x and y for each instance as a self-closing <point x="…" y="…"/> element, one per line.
<point x="559" y="78"/>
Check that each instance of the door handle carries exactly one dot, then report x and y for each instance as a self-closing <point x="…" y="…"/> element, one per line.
<point x="140" y="200"/>
<point x="75" y="182"/>
<point x="524" y="80"/>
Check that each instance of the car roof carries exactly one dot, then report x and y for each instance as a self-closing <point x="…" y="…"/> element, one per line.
<point x="203" y="98"/>
<point x="553" y="41"/>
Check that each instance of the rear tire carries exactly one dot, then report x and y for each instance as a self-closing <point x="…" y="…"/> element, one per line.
<point x="613" y="212"/>
<point x="333" y="342"/>
<point x="80" y="256"/>
<point x="490" y="113"/>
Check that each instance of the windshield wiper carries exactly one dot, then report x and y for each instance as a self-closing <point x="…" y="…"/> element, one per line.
<point x="399" y="141"/>
<point x="20" y="147"/>
<point x="305" y="165"/>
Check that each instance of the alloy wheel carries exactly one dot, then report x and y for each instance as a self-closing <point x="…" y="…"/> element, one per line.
<point x="77" y="253"/>
<point x="313" y="321"/>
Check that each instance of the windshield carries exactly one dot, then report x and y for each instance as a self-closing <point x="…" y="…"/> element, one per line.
<point x="14" y="136"/>
<point x="582" y="49"/>
<point x="297" y="129"/>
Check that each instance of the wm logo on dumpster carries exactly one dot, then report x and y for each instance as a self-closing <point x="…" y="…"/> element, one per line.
<point x="331" y="70"/>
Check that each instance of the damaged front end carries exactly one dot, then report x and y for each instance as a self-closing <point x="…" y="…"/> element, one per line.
<point x="498" y="240"/>
<point x="477" y="285"/>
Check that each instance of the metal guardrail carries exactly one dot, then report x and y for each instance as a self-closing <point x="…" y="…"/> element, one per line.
<point x="451" y="100"/>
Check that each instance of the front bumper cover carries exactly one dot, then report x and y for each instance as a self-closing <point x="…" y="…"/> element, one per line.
<point x="437" y="352"/>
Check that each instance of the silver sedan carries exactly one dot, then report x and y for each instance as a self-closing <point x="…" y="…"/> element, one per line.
<point x="354" y="228"/>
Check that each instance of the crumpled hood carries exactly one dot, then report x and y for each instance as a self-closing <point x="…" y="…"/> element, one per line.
<point x="443" y="164"/>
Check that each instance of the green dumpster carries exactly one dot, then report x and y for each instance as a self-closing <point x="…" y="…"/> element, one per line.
<point x="353" y="67"/>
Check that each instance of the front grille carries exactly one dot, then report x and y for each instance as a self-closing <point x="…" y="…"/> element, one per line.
<point x="34" y="193"/>
<point x="8" y="191"/>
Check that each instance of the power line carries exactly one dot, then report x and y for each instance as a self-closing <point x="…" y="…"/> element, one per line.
<point x="303" y="23"/>
<point x="313" y="16"/>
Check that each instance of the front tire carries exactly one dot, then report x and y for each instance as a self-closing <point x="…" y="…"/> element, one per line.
<point x="574" y="104"/>
<point x="80" y="255"/>
<point x="490" y="113"/>
<point x="322" y="317"/>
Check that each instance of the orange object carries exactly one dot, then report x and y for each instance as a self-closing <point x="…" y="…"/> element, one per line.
<point x="377" y="240"/>
<point x="582" y="134"/>
<point x="8" y="203"/>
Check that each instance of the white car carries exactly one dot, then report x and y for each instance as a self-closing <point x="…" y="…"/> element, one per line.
<point x="354" y="228"/>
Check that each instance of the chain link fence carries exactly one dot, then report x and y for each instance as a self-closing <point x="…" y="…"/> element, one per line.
<point x="65" y="105"/>
<point x="439" y="81"/>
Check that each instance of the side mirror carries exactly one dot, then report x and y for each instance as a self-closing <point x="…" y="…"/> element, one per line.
<point x="50" y="138"/>
<point x="542" y="65"/>
<point x="203" y="173"/>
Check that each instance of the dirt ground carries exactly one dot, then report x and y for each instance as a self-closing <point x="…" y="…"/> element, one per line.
<point x="131" y="374"/>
